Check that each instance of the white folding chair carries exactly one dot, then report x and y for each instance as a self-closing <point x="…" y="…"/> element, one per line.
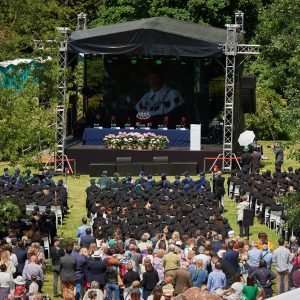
<point x="267" y="215"/>
<point x="29" y="208"/>
<point x="230" y="189"/>
<point x="46" y="246"/>
<point x="58" y="214"/>
<point x="257" y="208"/>
<point x="273" y="218"/>
<point x="42" y="208"/>
<point x="236" y="192"/>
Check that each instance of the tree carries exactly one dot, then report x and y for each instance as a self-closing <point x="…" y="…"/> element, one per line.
<point x="278" y="65"/>
<point x="292" y="210"/>
<point x="9" y="211"/>
<point x="24" y="123"/>
<point x="266" y="121"/>
<point x="213" y="12"/>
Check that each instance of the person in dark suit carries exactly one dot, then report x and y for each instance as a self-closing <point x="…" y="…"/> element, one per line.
<point x="278" y="151"/>
<point x="232" y="256"/>
<point x="86" y="240"/>
<point x="56" y="253"/>
<point x="67" y="270"/>
<point x="96" y="270"/>
<point x="182" y="279"/>
<point x="21" y="253"/>
<point x="245" y="160"/>
<point x="218" y="186"/>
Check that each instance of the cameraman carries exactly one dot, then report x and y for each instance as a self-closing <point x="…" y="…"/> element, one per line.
<point x="278" y="151"/>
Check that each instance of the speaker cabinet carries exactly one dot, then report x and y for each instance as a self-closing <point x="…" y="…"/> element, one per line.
<point x="248" y="93"/>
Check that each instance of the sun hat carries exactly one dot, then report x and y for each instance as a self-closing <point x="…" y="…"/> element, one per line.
<point x="96" y="254"/>
<point x="19" y="280"/>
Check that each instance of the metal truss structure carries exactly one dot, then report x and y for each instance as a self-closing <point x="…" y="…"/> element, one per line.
<point x="60" y="156"/>
<point x="62" y="97"/>
<point x="81" y="21"/>
<point x="231" y="49"/>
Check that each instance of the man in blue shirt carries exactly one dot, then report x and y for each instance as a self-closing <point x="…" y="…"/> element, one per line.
<point x="81" y="230"/>
<point x="216" y="279"/>
<point x="266" y="255"/>
<point x="254" y="256"/>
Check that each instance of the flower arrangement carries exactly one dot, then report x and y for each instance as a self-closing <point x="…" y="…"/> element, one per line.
<point x="135" y="140"/>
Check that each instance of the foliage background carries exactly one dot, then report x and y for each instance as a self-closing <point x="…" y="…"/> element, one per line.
<point x="271" y="23"/>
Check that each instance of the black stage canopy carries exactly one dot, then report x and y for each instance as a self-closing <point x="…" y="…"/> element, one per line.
<point x="149" y="37"/>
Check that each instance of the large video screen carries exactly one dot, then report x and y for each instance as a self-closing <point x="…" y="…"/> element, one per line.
<point x="161" y="86"/>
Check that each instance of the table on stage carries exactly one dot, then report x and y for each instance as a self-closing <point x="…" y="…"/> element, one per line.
<point x="177" y="138"/>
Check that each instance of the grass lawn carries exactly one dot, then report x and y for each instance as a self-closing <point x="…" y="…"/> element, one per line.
<point x="77" y="199"/>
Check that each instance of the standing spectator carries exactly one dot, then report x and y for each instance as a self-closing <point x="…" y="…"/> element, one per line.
<point x="33" y="269"/>
<point x="56" y="253"/>
<point x="250" y="290"/>
<point x="81" y="230"/>
<point x="278" y="151"/>
<point x="232" y="256"/>
<point x="80" y="269"/>
<point x="5" y="282"/>
<point x="254" y="256"/>
<point x="264" y="277"/>
<point x="87" y="239"/>
<point x="182" y="279"/>
<point x="33" y="288"/>
<point x="112" y="273"/>
<point x="130" y="276"/>
<point x="295" y="277"/>
<point x="96" y="290"/>
<point x="199" y="274"/>
<point x="205" y="258"/>
<point x="20" y="252"/>
<point x="282" y="259"/>
<point x="10" y="267"/>
<point x="216" y="279"/>
<point x="219" y="189"/>
<point x="255" y="161"/>
<point x="244" y="204"/>
<point x="262" y="239"/>
<point x="158" y="264"/>
<point x="171" y="261"/>
<point x="67" y="273"/>
<point x="245" y="160"/>
<point x="96" y="270"/>
<point x="266" y="255"/>
<point x="150" y="279"/>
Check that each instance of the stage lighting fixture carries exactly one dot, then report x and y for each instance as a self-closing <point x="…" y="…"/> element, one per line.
<point x="133" y="60"/>
<point x="158" y="61"/>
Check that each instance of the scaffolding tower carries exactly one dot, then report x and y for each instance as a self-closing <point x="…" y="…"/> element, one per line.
<point x="231" y="49"/>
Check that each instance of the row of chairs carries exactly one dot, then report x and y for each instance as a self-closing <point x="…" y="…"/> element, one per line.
<point x="56" y="209"/>
<point x="272" y="220"/>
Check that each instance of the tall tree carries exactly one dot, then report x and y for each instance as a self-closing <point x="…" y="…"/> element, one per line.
<point x="278" y="65"/>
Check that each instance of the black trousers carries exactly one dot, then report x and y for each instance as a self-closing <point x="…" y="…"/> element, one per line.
<point x="244" y="230"/>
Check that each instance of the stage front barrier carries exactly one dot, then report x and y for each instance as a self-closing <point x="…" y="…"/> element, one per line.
<point x="177" y="138"/>
<point x="217" y="158"/>
<point x="195" y="137"/>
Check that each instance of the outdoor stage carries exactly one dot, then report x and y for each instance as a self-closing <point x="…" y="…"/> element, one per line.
<point x="179" y="159"/>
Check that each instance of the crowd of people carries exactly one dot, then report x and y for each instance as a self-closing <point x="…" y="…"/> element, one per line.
<point x="158" y="239"/>
<point x="22" y="255"/>
<point x="148" y="239"/>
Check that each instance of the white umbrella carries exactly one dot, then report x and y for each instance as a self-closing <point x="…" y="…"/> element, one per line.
<point x="246" y="138"/>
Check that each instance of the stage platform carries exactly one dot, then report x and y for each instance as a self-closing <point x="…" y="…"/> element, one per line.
<point x="97" y="154"/>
